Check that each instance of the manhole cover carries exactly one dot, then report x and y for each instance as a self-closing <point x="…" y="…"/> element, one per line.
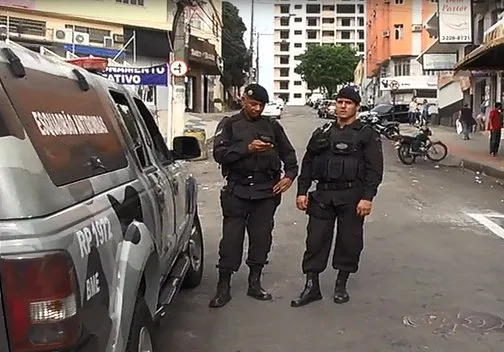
<point x="451" y="321"/>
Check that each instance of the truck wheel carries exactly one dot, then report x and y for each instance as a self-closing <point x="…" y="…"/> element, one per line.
<point x="142" y="328"/>
<point x="196" y="254"/>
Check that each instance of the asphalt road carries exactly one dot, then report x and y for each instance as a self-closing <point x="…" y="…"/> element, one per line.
<point x="431" y="276"/>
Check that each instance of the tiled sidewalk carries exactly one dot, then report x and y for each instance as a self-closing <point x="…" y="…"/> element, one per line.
<point x="472" y="154"/>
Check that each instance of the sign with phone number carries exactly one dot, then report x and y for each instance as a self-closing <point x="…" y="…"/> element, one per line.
<point x="455" y="38"/>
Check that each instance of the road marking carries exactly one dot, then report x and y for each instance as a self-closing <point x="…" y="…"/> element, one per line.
<point x="484" y="219"/>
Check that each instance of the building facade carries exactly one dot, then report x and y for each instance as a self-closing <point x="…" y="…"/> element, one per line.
<point x="299" y="24"/>
<point x="132" y="33"/>
<point x="470" y="69"/>
<point x="395" y="38"/>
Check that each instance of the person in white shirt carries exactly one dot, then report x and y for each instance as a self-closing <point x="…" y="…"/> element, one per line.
<point x="412" y="112"/>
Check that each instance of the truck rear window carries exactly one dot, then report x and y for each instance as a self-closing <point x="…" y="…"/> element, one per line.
<point x="73" y="131"/>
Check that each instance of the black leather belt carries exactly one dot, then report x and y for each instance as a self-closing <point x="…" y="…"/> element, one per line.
<point x="250" y="180"/>
<point x="335" y="186"/>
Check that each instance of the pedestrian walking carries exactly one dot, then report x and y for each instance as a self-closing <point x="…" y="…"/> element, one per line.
<point x="495" y="127"/>
<point x="345" y="158"/>
<point x="467" y="121"/>
<point x="250" y="148"/>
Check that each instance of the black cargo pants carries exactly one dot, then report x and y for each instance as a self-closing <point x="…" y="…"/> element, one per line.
<point x="254" y="215"/>
<point x="324" y="209"/>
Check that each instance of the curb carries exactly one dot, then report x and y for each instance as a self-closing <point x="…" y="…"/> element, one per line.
<point x="479" y="167"/>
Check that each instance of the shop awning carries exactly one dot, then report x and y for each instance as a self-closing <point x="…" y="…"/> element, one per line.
<point x="487" y="57"/>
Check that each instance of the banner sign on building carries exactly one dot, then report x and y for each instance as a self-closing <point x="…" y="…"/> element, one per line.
<point x="439" y="62"/>
<point x="138" y="76"/>
<point x="455" y="21"/>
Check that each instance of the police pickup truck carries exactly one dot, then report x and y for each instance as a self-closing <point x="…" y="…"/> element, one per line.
<point x="98" y="218"/>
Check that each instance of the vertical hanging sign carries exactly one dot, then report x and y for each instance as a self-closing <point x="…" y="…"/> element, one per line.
<point x="455" y="21"/>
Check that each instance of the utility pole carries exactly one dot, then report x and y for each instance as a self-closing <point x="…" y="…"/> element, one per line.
<point x="251" y="46"/>
<point x="257" y="56"/>
<point x="180" y="42"/>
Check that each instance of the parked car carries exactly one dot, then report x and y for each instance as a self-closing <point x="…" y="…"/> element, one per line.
<point x="99" y="219"/>
<point x="384" y="112"/>
<point x="273" y="109"/>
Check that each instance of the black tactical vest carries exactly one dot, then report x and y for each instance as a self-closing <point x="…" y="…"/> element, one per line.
<point x="265" y="165"/>
<point x="338" y="155"/>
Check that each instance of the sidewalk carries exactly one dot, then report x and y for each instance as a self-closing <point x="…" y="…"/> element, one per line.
<point x="206" y="121"/>
<point x="472" y="154"/>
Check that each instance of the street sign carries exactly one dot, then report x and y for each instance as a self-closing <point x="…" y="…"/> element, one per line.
<point x="394" y="85"/>
<point x="178" y="68"/>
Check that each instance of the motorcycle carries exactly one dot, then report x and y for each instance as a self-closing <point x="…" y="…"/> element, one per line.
<point x="385" y="128"/>
<point x="420" y="144"/>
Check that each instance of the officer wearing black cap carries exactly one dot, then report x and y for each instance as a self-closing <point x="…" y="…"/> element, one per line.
<point x="251" y="149"/>
<point x="345" y="158"/>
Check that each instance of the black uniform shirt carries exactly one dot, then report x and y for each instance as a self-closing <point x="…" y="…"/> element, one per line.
<point x="226" y="153"/>
<point x="373" y="160"/>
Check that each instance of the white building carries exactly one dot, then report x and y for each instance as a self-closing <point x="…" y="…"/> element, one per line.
<point x="301" y="23"/>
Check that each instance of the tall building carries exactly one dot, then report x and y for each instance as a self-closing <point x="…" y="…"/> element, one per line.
<point x="395" y="38"/>
<point x="301" y="23"/>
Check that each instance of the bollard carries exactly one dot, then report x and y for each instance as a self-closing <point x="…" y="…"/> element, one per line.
<point x="200" y="135"/>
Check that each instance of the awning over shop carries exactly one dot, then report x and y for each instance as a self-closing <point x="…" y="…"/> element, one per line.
<point x="488" y="56"/>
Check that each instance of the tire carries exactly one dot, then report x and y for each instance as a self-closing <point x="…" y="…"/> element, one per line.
<point x="196" y="252"/>
<point x="443" y="154"/>
<point x="391" y="133"/>
<point x="142" y="328"/>
<point x="403" y="152"/>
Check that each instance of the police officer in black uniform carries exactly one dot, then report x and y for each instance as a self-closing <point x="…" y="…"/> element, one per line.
<point x="345" y="158"/>
<point x="250" y="148"/>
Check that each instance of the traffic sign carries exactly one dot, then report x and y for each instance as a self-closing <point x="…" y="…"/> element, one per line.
<point x="178" y="68"/>
<point x="394" y="85"/>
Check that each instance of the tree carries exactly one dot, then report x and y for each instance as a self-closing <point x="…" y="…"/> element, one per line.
<point x="327" y="66"/>
<point x="234" y="52"/>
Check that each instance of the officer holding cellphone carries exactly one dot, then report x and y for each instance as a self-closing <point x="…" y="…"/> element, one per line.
<point x="251" y="150"/>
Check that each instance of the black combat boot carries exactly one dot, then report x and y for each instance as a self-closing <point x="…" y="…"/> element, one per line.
<point x="255" y="289"/>
<point x="340" y="293"/>
<point x="310" y="293"/>
<point x="223" y="295"/>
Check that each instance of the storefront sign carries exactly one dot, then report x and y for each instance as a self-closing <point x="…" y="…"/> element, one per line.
<point x="409" y="82"/>
<point x="455" y="21"/>
<point x="439" y="62"/>
<point x="138" y="76"/>
<point x="202" y="51"/>
<point x="494" y="32"/>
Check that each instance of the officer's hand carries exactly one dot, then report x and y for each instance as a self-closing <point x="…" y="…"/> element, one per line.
<point x="259" y="146"/>
<point x="364" y="207"/>
<point x="282" y="185"/>
<point x="302" y="202"/>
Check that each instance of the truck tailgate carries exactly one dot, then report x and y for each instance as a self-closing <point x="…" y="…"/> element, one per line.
<point x="4" y="344"/>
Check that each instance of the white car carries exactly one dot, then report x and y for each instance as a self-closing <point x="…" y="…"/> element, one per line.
<point x="272" y="109"/>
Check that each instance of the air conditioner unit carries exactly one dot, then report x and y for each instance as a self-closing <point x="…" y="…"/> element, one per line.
<point x="63" y="35"/>
<point x="81" y="38"/>
<point x="108" y="42"/>
<point x="386" y="34"/>
<point x="3" y="32"/>
<point x="118" y="38"/>
<point x="416" y="27"/>
<point x="386" y="1"/>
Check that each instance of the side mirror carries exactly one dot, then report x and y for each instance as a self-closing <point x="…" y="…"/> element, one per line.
<point x="186" y="147"/>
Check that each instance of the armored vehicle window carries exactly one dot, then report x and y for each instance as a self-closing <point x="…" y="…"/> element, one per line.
<point x="73" y="131"/>
<point x="122" y="105"/>
<point x="9" y="123"/>
<point x="160" y="147"/>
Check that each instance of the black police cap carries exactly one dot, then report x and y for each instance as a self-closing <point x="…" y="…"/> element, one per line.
<point x="349" y="92"/>
<point x="257" y="92"/>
